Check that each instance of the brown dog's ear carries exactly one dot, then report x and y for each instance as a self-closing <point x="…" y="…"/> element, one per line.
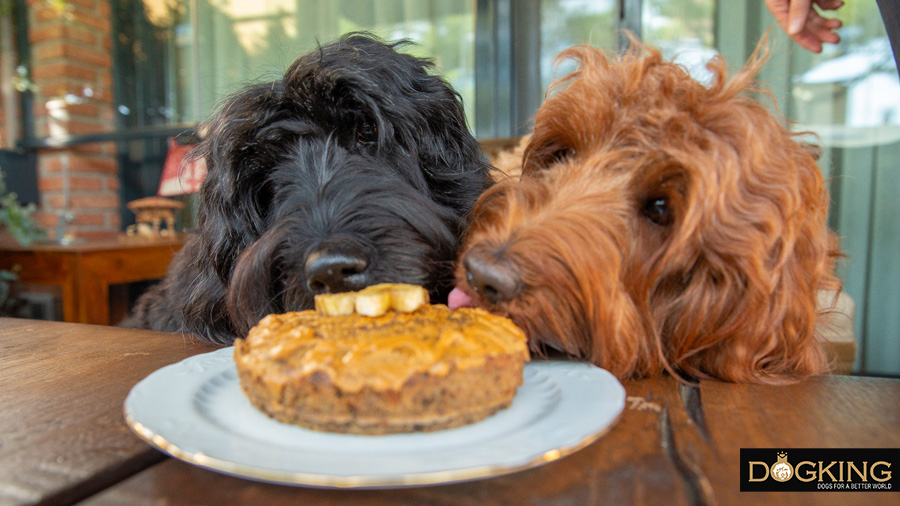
<point x="748" y="312"/>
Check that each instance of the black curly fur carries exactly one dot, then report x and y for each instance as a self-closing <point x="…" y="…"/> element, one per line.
<point x="357" y="146"/>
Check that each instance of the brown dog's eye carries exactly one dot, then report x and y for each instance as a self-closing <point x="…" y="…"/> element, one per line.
<point x="562" y="154"/>
<point x="367" y="133"/>
<point x="656" y="209"/>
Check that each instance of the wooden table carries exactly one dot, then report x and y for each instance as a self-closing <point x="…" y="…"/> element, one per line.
<point x="64" y="439"/>
<point x="85" y="271"/>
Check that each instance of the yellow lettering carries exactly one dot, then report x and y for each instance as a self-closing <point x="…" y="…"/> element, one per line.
<point x="757" y="463"/>
<point x="826" y="470"/>
<point x="811" y="473"/>
<point x="852" y="467"/>
<point x="885" y="475"/>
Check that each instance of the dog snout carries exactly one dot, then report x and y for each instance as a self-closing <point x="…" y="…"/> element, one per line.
<point x="491" y="276"/>
<point x="336" y="271"/>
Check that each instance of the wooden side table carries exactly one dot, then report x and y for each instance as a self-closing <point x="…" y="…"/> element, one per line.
<point x="85" y="271"/>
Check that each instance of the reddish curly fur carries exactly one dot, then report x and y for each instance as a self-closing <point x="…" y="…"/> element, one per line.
<point x="727" y="289"/>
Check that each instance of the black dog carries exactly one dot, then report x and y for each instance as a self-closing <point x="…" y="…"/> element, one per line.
<point x="356" y="168"/>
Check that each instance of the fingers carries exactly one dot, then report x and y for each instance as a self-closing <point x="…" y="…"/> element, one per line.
<point x="829" y="5"/>
<point x="805" y="24"/>
<point x="798" y="13"/>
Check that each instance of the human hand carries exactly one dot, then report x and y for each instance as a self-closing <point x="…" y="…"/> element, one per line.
<point x="804" y="24"/>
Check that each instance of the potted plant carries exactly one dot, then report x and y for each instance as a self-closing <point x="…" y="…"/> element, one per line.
<point x="15" y="222"/>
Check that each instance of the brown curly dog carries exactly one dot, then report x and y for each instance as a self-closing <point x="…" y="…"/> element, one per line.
<point x="659" y="225"/>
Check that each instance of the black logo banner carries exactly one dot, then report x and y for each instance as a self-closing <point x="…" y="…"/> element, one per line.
<point x="819" y="469"/>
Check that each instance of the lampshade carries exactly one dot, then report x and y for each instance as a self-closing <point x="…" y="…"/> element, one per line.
<point x="180" y="175"/>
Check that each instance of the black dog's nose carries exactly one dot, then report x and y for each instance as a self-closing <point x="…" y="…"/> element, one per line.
<point x="336" y="271"/>
<point x="491" y="277"/>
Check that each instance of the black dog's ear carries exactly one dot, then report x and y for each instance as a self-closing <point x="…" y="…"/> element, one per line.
<point x="231" y="213"/>
<point x="453" y="161"/>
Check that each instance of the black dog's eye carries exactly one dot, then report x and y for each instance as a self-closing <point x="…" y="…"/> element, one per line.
<point x="367" y="133"/>
<point x="656" y="209"/>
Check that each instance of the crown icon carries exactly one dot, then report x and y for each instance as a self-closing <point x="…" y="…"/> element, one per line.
<point x="782" y="455"/>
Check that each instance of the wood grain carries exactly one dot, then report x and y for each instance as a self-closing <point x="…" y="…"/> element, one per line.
<point x="64" y="439"/>
<point x="63" y="385"/>
<point x="85" y="271"/>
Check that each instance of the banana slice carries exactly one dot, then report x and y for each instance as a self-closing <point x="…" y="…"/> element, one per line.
<point x="336" y="304"/>
<point x="408" y="298"/>
<point x="374" y="300"/>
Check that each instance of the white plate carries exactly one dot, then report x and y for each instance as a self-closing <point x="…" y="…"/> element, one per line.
<point x="195" y="411"/>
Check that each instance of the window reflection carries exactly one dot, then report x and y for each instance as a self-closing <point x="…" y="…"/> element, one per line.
<point x="216" y="47"/>
<point x="565" y="23"/>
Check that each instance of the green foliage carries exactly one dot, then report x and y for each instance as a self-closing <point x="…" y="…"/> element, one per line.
<point x="16" y="218"/>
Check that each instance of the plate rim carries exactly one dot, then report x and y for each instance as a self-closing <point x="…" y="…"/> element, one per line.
<point x="360" y="481"/>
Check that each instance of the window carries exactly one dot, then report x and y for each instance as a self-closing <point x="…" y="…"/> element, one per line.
<point x="210" y="49"/>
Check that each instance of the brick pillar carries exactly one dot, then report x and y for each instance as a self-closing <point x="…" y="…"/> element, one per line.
<point x="71" y="63"/>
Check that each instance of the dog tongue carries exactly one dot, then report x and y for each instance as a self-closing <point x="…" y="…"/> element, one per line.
<point x="458" y="299"/>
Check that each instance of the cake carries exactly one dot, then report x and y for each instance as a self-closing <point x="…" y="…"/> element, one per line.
<point x="404" y="366"/>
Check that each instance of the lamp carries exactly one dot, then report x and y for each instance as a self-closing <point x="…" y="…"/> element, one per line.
<point x="181" y="175"/>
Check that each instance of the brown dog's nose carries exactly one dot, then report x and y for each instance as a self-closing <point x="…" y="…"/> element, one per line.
<point x="491" y="277"/>
<point x="329" y="271"/>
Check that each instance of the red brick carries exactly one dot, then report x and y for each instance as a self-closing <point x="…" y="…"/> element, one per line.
<point x="38" y="34"/>
<point x="94" y="201"/>
<point x="111" y="183"/>
<point x="62" y="49"/>
<point x="50" y="162"/>
<point x="105" y="79"/>
<point x="77" y="34"/>
<point x="92" y="20"/>
<point x="60" y="88"/>
<point x="45" y="219"/>
<point x="45" y="14"/>
<point x="62" y="70"/>
<point x="90" y="57"/>
<point x="52" y="201"/>
<point x="46" y="184"/>
<point x="86" y="4"/>
<point x="73" y="127"/>
<point x="85" y="110"/>
<point x="92" y="164"/>
<point x="86" y="183"/>
<point x="50" y="50"/>
<point x="80" y="34"/>
<point x="94" y="219"/>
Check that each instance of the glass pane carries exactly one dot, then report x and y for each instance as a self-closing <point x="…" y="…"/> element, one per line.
<point x="217" y="47"/>
<point x="849" y="96"/>
<point x="684" y="30"/>
<point x="565" y="23"/>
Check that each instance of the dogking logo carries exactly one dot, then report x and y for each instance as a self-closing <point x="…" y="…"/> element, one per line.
<point x="819" y="469"/>
<point x="782" y="471"/>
